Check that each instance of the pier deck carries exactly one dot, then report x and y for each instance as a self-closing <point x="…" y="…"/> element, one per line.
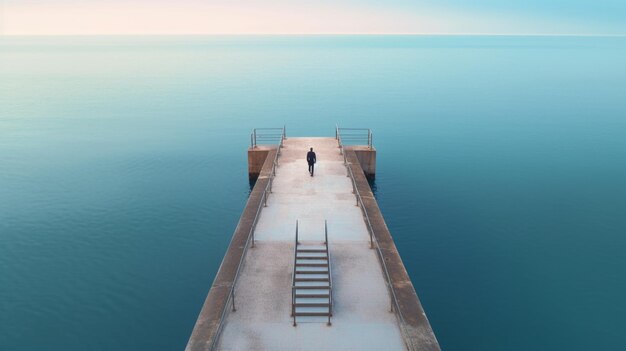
<point x="361" y="318"/>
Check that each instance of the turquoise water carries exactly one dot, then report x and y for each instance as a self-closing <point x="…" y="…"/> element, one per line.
<point x="501" y="174"/>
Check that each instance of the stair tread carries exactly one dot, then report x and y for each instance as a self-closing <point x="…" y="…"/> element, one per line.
<point x="311" y="248"/>
<point x="316" y="300"/>
<point x="301" y="309"/>
<point x="321" y="291"/>
<point x="310" y="261"/>
<point x="318" y="280"/>
<point x="311" y="254"/>
<point x="315" y="287"/>
<point x="322" y="318"/>
<point x="310" y="285"/>
<point x="311" y="269"/>
<point x="312" y="275"/>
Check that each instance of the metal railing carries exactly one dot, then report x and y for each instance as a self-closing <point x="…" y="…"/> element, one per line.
<point x="394" y="306"/>
<point x="267" y="136"/>
<point x="250" y="239"/>
<point x="353" y="136"/>
<point x="293" y="279"/>
<point x="330" y="274"/>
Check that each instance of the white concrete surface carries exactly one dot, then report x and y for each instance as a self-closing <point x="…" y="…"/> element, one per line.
<point x="361" y="318"/>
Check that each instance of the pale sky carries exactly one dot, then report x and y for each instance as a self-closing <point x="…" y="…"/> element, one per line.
<point x="89" y="17"/>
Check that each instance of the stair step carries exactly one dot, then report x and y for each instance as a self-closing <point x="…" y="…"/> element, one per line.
<point x="311" y="248"/>
<point x="311" y="296"/>
<point x="311" y="270"/>
<point x="311" y="314"/>
<point x="312" y="293"/>
<point x="312" y="311"/>
<point x="311" y="264"/>
<point x="309" y="260"/>
<point x="312" y="285"/>
<point x="311" y="251"/>
<point x="311" y="277"/>
<point x="312" y="302"/>
<point x="313" y="255"/>
<point x="315" y="258"/>
<point x="306" y="284"/>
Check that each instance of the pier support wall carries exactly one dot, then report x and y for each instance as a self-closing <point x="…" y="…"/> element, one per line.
<point x="367" y="159"/>
<point x="256" y="159"/>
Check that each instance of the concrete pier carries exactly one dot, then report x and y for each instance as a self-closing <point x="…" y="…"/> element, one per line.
<point x="368" y="312"/>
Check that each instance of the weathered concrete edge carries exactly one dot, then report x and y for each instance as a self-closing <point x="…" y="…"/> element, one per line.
<point x="417" y="331"/>
<point x="207" y="328"/>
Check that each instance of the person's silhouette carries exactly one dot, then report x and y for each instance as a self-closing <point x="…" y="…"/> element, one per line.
<point x="311" y="159"/>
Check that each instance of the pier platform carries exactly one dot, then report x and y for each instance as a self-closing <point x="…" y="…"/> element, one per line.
<point x="374" y="305"/>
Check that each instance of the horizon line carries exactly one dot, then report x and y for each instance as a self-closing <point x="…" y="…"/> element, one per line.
<point x="318" y="34"/>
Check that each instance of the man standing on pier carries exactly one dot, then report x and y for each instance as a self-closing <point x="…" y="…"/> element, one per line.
<point x="311" y="159"/>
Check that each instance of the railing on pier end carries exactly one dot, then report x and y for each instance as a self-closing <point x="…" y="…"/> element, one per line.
<point x="267" y="136"/>
<point x="353" y="136"/>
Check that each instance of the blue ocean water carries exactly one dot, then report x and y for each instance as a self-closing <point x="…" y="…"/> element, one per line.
<point x="501" y="174"/>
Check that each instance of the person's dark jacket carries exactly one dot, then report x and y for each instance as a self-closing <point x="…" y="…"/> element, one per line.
<point x="310" y="157"/>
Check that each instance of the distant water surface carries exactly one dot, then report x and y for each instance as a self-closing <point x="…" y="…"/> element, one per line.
<point x="501" y="174"/>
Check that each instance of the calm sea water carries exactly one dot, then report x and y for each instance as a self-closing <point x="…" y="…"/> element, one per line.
<point x="501" y="174"/>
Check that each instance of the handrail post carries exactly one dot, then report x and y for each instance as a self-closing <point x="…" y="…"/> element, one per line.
<point x="254" y="133"/>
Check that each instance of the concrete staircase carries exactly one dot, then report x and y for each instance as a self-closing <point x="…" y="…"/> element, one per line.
<point x="312" y="280"/>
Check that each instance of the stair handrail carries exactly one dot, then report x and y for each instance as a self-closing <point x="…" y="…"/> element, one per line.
<point x="293" y="278"/>
<point x="330" y="274"/>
